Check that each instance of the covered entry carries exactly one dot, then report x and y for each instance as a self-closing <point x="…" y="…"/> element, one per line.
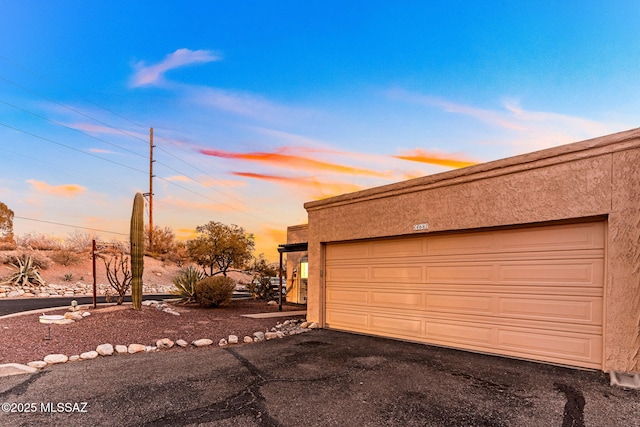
<point x="534" y="292"/>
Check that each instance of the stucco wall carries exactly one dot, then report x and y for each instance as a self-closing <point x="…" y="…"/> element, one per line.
<point x="594" y="178"/>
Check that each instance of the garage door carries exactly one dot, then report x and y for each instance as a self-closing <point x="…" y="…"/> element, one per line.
<point x="533" y="292"/>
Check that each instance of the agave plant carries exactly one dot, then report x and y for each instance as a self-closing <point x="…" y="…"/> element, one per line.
<point x="185" y="283"/>
<point x="27" y="274"/>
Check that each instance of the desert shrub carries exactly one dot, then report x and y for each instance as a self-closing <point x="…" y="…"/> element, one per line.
<point x="38" y="242"/>
<point x="66" y="256"/>
<point x="26" y="274"/>
<point x="79" y="241"/>
<point x="185" y="283"/>
<point x="6" y="245"/>
<point x="215" y="291"/>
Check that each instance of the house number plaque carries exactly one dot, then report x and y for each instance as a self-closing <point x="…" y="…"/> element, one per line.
<point x="418" y="227"/>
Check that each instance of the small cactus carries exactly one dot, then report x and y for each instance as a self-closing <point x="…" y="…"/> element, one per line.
<point x="137" y="250"/>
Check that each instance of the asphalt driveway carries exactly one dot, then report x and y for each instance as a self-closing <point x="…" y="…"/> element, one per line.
<point x="322" y="378"/>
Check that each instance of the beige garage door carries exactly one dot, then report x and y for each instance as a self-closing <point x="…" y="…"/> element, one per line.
<point x="530" y="292"/>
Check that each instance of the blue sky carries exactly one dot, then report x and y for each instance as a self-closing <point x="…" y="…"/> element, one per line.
<point x="260" y="107"/>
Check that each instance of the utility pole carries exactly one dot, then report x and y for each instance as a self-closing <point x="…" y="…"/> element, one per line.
<point x="151" y="187"/>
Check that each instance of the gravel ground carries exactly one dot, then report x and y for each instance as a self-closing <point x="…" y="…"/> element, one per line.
<point x="22" y="338"/>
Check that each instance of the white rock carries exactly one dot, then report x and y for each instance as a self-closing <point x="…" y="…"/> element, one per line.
<point x="248" y="339"/>
<point x="170" y="311"/>
<point x="314" y="325"/>
<point x="304" y="325"/>
<point x="73" y="315"/>
<point x="74" y="358"/>
<point x="38" y="364"/>
<point x="270" y="335"/>
<point x="164" y="343"/>
<point x="89" y="355"/>
<point x="120" y="349"/>
<point x="233" y="339"/>
<point x="202" y="342"/>
<point x="85" y="314"/>
<point x="105" y="349"/>
<point x="15" y="294"/>
<point x="149" y="302"/>
<point x="135" y="348"/>
<point x="280" y="334"/>
<point x="182" y="343"/>
<point x="259" y="335"/>
<point x="52" y="359"/>
<point x="43" y="295"/>
<point x="150" y="348"/>
<point x="272" y="303"/>
<point x="222" y="342"/>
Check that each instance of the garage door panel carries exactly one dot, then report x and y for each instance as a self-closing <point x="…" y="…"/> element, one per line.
<point x="561" y="309"/>
<point x="535" y="293"/>
<point x="397" y="273"/>
<point x="405" y="300"/>
<point x="348" y="273"/>
<point x="582" y="273"/>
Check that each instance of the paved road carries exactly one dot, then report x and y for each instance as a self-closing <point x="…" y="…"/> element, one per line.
<point x="322" y="378"/>
<point x="17" y="305"/>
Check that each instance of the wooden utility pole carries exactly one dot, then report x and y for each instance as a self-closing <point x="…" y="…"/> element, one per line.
<point x="151" y="187"/>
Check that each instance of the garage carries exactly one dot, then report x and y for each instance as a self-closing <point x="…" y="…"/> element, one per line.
<point x="530" y="292"/>
<point x="535" y="256"/>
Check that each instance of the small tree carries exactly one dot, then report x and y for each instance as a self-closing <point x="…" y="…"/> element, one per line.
<point x="6" y="224"/>
<point x="163" y="240"/>
<point x="221" y="247"/>
<point x="260" y="287"/>
<point x="118" y="273"/>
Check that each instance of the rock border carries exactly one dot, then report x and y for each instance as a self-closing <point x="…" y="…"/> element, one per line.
<point x="281" y="330"/>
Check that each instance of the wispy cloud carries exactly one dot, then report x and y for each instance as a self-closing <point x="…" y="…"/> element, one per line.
<point x="154" y="74"/>
<point x="188" y="205"/>
<point x="317" y="188"/>
<point x="100" y="151"/>
<point x="434" y="158"/>
<point x="292" y="161"/>
<point x="64" y="190"/>
<point x="527" y="129"/>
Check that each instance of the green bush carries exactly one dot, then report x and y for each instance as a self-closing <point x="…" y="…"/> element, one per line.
<point x="185" y="283"/>
<point x="215" y="291"/>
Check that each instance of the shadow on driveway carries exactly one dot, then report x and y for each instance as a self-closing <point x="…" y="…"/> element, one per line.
<point x="321" y="378"/>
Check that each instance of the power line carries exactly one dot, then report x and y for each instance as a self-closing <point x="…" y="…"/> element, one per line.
<point x="68" y="225"/>
<point x="70" y="148"/>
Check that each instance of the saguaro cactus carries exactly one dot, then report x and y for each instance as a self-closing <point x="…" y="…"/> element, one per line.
<point x="137" y="250"/>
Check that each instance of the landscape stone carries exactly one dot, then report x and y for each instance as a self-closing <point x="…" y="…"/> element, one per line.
<point x="270" y="335"/>
<point x="202" y="342"/>
<point x="150" y="348"/>
<point x="120" y="349"/>
<point x="182" y="343"/>
<point x="73" y="315"/>
<point x="259" y="335"/>
<point x="74" y="358"/>
<point x="105" y="349"/>
<point x="38" y="364"/>
<point x="304" y="325"/>
<point x="272" y="303"/>
<point x="89" y="355"/>
<point x="53" y="359"/>
<point x="233" y="339"/>
<point x="248" y="339"/>
<point x="135" y="348"/>
<point x="314" y="325"/>
<point x="222" y="342"/>
<point x="164" y="343"/>
<point x="86" y="313"/>
<point x="280" y="334"/>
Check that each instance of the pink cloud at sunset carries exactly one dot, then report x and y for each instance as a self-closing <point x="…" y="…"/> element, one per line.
<point x="64" y="190"/>
<point x="422" y="156"/>
<point x="292" y="161"/>
<point x="320" y="189"/>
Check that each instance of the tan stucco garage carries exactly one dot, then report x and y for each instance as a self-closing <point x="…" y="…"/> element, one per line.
<point x="535" y="256"/>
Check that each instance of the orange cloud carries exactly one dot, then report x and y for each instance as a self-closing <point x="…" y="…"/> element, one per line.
<point x="422" y="156"/>
<point x="65" y="190"/>
<point x="189" y="205"/>
<point x="321" y="189"/>
<point x="292" y="161"/>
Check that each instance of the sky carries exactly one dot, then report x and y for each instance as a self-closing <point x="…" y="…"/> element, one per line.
<point x="259" y="107"/>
